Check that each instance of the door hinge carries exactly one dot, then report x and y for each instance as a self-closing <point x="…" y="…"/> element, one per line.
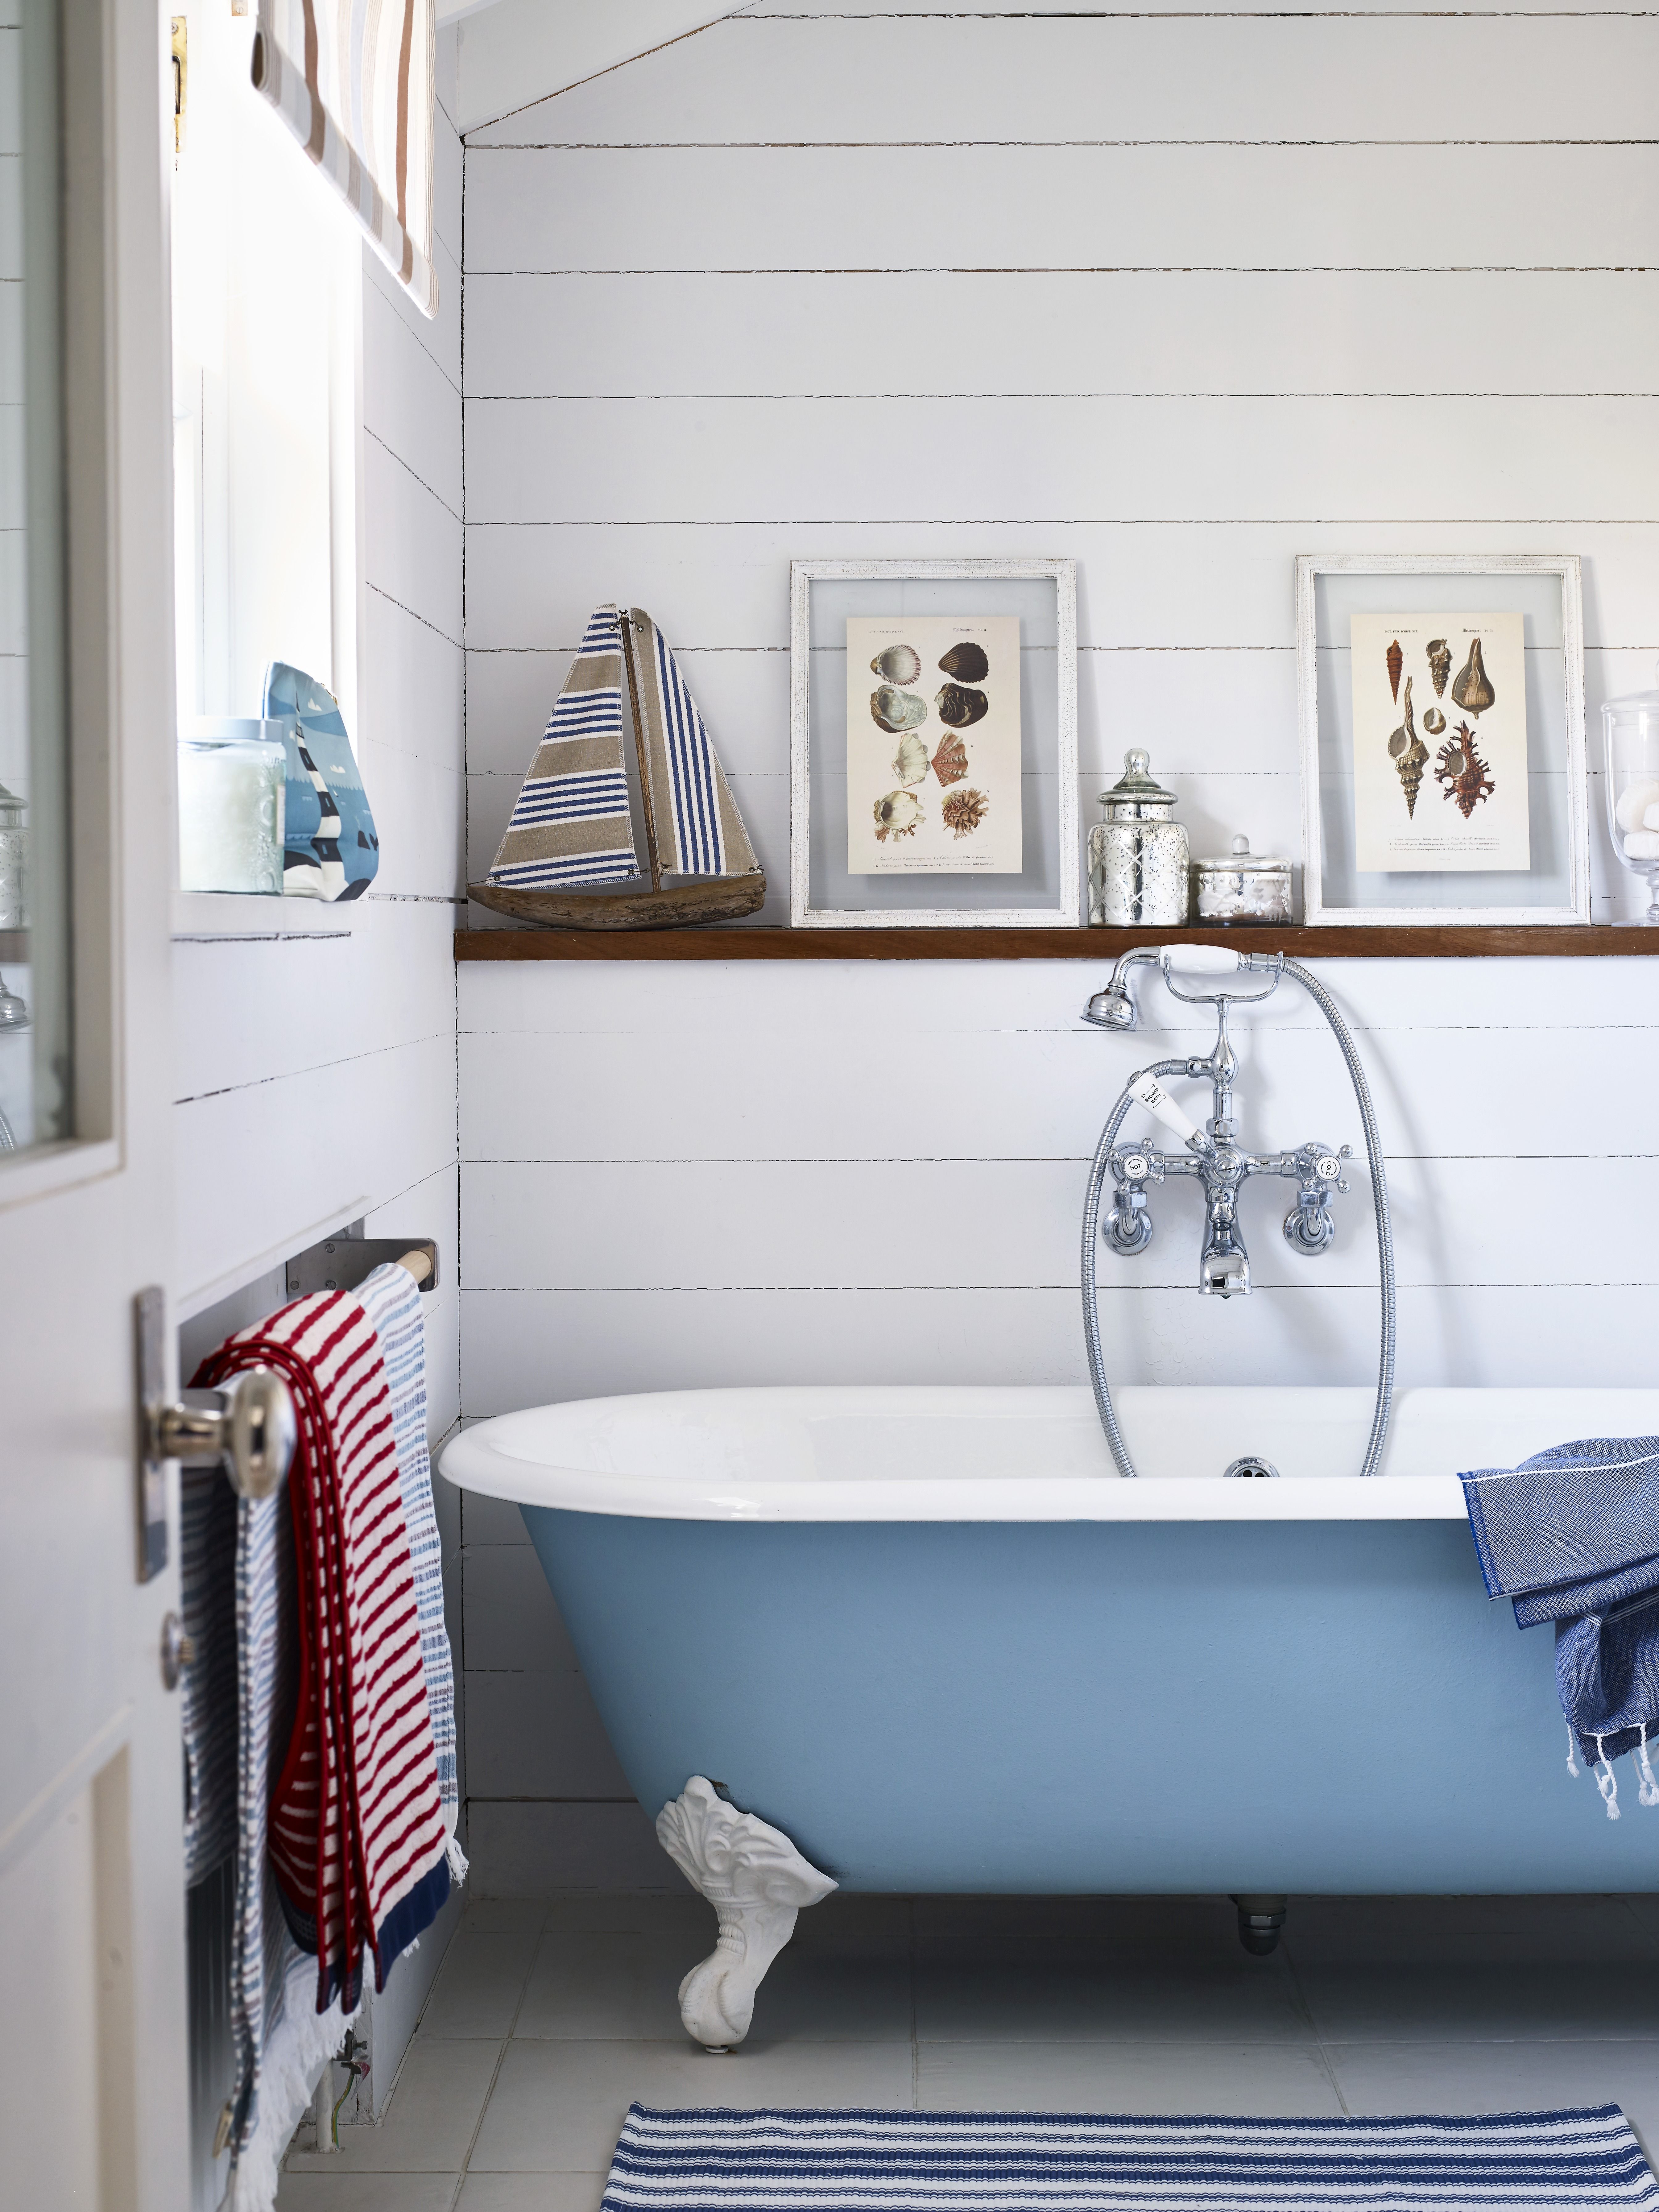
<point x="181" y="84"/>
<point x="150" y="1314"/>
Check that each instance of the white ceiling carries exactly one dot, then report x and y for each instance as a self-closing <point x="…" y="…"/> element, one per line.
<point x="514" y="53"/>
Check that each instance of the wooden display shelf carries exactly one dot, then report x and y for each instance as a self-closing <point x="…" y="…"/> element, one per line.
<point x="1462" y="942"/>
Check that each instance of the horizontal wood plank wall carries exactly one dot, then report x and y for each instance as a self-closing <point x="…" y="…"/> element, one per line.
<point x="1181" y="296"/>
<point x="313" y="1073"/>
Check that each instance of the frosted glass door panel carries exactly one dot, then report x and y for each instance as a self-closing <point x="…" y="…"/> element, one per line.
<point x="36" y="1097"/>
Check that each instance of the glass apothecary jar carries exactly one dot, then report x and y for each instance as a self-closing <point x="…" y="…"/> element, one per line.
<point x="14" y="852"/>
<point x="232" y="778"/>
<point x="1241" y="886"/>
<point x="1629" y="737"/>
<point x="1138" y="857"/>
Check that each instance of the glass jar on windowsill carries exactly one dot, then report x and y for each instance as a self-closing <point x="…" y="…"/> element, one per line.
<point x="232" y="779"/>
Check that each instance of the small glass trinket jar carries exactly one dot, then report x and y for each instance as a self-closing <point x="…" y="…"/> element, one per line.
<point x="1243" y="886"/>
<point x="1630" y="731"/>
<point x="233" y="779"/>
<point x="13" y="839"/>
<point x="1138" y="854"/>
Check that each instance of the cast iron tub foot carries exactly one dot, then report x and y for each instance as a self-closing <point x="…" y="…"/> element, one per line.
<point x="756" y="1882"/>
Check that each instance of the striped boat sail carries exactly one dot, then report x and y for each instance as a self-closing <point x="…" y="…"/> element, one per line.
<point x="571" y="825"/>
<point x="698" y="829"/>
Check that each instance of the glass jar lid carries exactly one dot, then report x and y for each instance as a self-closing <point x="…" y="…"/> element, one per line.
<point x="212" y="732"/>
<point x="1242" y="861"/>
<point x="1633" y="703"/>
<point x="11" y="808"/>
<point x="1136" y="793"/>
<point x="1632" y="720"/>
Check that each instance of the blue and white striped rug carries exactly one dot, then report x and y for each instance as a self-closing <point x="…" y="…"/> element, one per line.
<point x="855" y="2161"/>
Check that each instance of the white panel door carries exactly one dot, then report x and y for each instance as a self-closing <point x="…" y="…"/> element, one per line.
<point x="93" y="2082"/>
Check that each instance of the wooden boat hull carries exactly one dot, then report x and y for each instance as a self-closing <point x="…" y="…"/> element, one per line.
<point x="715" y="898"/>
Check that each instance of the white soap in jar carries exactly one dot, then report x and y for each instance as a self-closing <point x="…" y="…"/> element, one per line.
<point x="1641" y="844"/>
<point x="231" y="795"/>
<point x="1631" y="808"/>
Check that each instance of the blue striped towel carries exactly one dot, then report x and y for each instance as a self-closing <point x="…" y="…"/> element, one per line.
<point x="393" y="1302"/>
<point x="280" y="2041"/>
<point x="207" y="1714"/>
<point x="860" y="2161"/>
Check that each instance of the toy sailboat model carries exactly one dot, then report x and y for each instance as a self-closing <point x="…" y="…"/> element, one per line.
<point x="571" y="837"/>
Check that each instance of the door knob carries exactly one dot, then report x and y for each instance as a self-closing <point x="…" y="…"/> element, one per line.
<point x="247" y="1426"/>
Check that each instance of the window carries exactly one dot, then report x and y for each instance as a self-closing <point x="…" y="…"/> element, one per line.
<point x="266" y="308"/>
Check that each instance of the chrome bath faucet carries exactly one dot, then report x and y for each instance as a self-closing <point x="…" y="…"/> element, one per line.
<point x="1212" y="1155"/>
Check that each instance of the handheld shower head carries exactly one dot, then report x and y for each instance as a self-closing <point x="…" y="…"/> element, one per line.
<point x="1111" y="1009"/>
<point x="1114" y="1008"/>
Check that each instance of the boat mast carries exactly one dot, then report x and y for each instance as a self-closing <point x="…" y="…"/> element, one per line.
<point x="639" y="747"/>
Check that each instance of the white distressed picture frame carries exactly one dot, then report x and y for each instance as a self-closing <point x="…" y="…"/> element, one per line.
<point x="1066" y="913"/>
<point x="1309" y="566"/>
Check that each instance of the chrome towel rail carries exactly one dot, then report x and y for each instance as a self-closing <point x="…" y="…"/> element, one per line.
<point x="247" y="1426"/>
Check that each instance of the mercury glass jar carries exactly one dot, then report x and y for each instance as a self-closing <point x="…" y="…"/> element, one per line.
<point x="232" y="782"/>
<point x="1138" y="854"/>
<point x="1241" y="886"/>
<point x="13" y="839"/>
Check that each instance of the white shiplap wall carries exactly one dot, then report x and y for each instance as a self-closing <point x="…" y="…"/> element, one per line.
<point x="315" y="1075"/>
<point x="1181" y="296"/>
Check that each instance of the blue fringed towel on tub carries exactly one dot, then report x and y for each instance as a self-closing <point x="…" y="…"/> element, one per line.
<point x="1571" y="1536"/>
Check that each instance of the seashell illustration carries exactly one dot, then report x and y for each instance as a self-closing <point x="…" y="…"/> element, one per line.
<point x="964" y="810"/>
<point x="897" y="816"/>
<point x="899" y="664"/>
<point x="1408" y="753"/>
<point x="1396" y="662"/>
<point x="966" y="661"/>
<point x="961" y="709"/>
<point x="951" y="760"/>
<point x="897" y="710"/>
<point x="1433" y="722"/>
<point x="1472" y="686"/>
<point x="1439" y="666"/>
<point x="910" y="762"/>
<point x="1461" y="770"/>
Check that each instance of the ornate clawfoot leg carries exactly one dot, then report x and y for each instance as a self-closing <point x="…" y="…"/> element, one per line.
<point x="756" y="1882"/>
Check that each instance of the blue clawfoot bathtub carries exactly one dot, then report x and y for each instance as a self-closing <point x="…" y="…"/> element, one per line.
<point x="932" y="1636"/>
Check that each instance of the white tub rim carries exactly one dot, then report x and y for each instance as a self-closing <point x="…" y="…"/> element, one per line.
<point x="548" y="1455"/>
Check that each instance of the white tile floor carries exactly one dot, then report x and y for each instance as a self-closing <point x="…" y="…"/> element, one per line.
<point x="549" y="2017"/>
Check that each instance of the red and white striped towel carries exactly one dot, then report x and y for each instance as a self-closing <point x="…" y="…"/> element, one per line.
<point x="357" y="1834"/>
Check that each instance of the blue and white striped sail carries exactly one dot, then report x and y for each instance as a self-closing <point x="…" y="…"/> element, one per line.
<point x="571" y="825"/>
<point x="699" y="831"/>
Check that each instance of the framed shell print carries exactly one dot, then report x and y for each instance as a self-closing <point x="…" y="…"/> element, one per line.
<point x="1441" y="709"/>
<point x="933" y="744"/>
